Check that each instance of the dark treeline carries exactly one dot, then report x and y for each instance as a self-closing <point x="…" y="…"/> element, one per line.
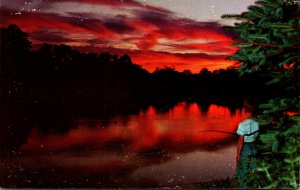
<point x="64" y="76"/>
<point x="56" y="81"/>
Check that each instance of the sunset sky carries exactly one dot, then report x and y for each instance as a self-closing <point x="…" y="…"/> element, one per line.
<point x="183" y="34"/>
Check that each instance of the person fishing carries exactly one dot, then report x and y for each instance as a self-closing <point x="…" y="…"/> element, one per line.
<point x="248" y="131"/>
<point x="246" y="148"/>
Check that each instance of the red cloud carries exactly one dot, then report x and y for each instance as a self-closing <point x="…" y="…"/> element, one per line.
<point x="32" y="22"/>
<point x="146" y="26"/>
<point x="147" y="42"/>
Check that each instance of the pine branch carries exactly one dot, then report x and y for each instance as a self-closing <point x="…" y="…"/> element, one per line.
<point x="265" y="44"/>
<point x="280" y="26"/>
<point x="234" y="16"/>
<point x="247" y="45"/>
<point x="276" y="53"/>
<point x="271" y="45"/>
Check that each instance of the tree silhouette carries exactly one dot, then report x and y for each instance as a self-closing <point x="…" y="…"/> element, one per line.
<point x="125" y="59"/>
<point x="14" y="51"/>
<point x="14" y="43"/>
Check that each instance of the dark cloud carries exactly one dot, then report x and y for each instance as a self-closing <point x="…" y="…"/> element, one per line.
<point x="160" y="19"/>
<point x="199" y="56"/>
<point x="90" y="21"/>
<point x="188" y="56"/>
<point x="50" y="36"/>
<point x="88" y="24"/>
<point x="104" y="2"/>
<point x="119" y="27"/>
<point x="96" y="41"/>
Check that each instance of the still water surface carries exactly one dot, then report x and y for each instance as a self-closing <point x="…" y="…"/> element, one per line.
<point x="148" y="149"/>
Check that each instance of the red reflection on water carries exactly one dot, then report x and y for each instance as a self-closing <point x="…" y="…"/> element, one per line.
<point x="176" y="130"/>
<point x="141" y="150"/>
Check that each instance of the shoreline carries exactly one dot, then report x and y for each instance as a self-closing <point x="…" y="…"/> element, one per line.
<point x="229" y="182"/>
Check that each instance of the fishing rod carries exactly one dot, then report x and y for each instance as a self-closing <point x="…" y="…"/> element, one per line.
<point x="218" y="132"/>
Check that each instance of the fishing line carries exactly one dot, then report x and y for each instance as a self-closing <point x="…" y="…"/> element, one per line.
<point x="218" y="131"/>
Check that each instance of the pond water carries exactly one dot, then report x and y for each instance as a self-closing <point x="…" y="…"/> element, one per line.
<point x="148" y="149"/>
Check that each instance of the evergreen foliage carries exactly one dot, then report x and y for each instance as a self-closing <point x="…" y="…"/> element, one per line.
<point x="269" y="42"/>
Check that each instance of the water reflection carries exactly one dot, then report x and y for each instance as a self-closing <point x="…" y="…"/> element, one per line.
<point x="148" y="149"/>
